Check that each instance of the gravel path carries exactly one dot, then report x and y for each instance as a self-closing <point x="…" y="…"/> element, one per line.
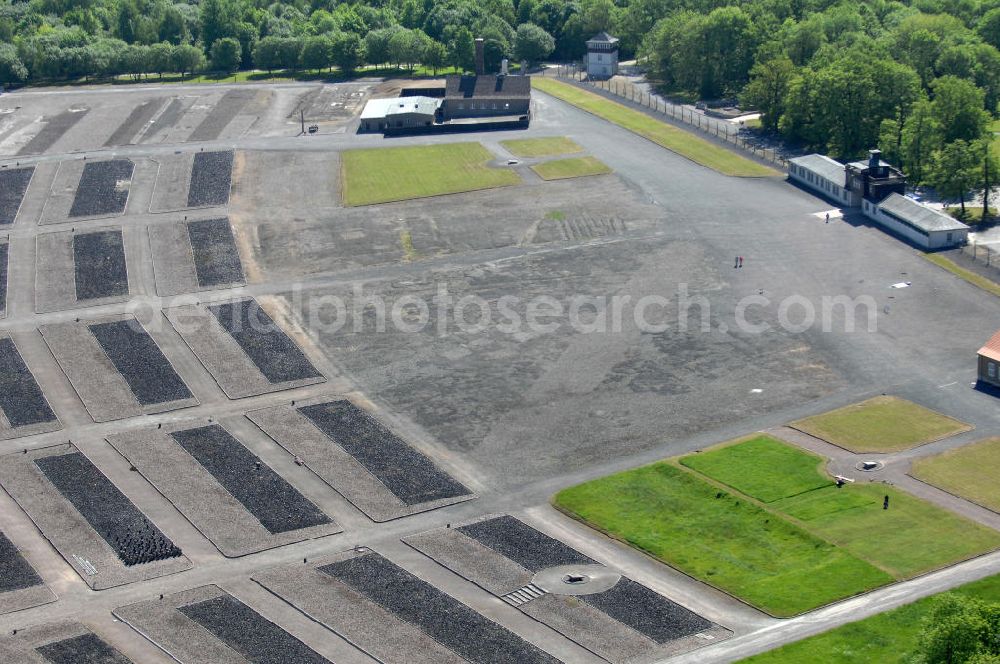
<point x="21" y="399"/>
<point x="99" y="265"/>
<point x="120" y="523"/>
<point x="277" y="505"/>
<point x="3" y="276"/>
<point x="445" y="619"/>
<point x="254" y="637"/>
<point x="408" y="474"/>
<point x="140" y="362"/>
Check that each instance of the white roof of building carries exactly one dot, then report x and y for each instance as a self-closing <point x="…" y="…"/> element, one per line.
<point x="380" y="108"/>
<point x="919" y="215"/>
<point x="823" y="166"/>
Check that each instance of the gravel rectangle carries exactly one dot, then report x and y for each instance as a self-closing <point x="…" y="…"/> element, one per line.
<point x="13" y="184"/>
<point x="53" y="130"/>
<point x="442" y="617"/>
<point x="222" y="114"/>
<point x="140" y="362"/>
<point x="21" y="399"/>
<point x="216" y="259"/>
<point x="270" y="349"/>
<point x="408" y="474"/>
<point x="135" y="121"/>
<point x="3" y="276"/>
<point x="15" y="572"/>
<point x="100" y="191"/>
<point x="99" y="265"/>
<point x="276" y="504"/>
<point x="529" y="548"/>
<point x="647" y="612"/>
<point x="109" y="512"/>
<point x="83" y="649"/>
<point x="211" y="177"/>
<point x="244" y="630"/>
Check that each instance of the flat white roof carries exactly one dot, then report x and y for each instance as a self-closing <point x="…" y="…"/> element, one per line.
<point x="823" y="166"/>
<point x="379" y="108"/>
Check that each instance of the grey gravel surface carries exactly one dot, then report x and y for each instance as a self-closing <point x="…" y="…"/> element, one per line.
<point x="13" y="184"/>
<point x="408" y="474"/>
<point x="3" y="276"/>
<point x="55" y="127"/>
<point x="442" y="617"/>
<point x="15" y="572"/>
<point x="222" y="114"/>
<point x="647" y="612"/>
<point x="83" y="649"/>
<point x="99" y="265"/>
<point x="270" y="349"/>
<point x="135" y="121"/>
<point x="523" y="544"/>
<point x="254" y="637"/>
<point x="120" y="523"/>
<point x="211" y="177"/>
<point x="99" y="192"/>
<point x="216" y="259"/>
<point x="174" y="110"/>
<point x="140" y="362"/>
<point x="21" y="399"/>
<point x="276" y="504"/>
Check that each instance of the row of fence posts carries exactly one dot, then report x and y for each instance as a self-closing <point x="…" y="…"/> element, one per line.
<point x="981" y="254"/>
<point x="717" y="128"/>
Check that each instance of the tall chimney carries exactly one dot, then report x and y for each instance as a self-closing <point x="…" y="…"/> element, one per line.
<point x="874" y="159"/>
<point x="480" y="57"/>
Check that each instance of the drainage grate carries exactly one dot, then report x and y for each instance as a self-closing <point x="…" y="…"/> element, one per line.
<point x="523" y="595"/>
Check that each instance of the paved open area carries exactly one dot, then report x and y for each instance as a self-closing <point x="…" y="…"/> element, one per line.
<point x="278" y="398"/>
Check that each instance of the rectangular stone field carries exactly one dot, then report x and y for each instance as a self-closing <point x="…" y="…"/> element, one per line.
<point x="225" y="491"/>
<point x="75" y="269"/>
<point x="243" y="348"/>
<point x="96" y="528"/>
<point x="20" y="585"/>
<point x="360" y="458"/>
<point x="222" y="114"/>
<point x="395" y="616"/>
<point x="3" y="276"/>
<point x="13" y="184"/>
<point x="211" y="177"/>
<point x="116" y="368"/>
<point x="24" y="411"/>
<point x="207" y="625"/>
<point x="103" y="189"/>
<point x="626" y="622"/>
<point x="194" y="256"/>
<point x="136" y="120"/>
<point x="58" y="643"/>
<point x="55" y="127"/>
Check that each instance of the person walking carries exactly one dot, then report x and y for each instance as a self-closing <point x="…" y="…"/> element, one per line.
<point x="827" y="217"/>
<point x="736" y="262"/>
<point x="741" y="261"/>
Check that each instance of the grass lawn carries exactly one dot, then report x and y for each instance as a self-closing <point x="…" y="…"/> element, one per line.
<point x="887" y="638"/>
<point x="575" y="167"/>
<point x="969" y="472"/>
<point x="541" y="147"/>
<point x="882" y="424"/>
<point x="811" y="545"/>
<point x="397" y="174"/>
<point x="682" y="142"/>
<point x="761" y="467"/>
<point x="968" y="275"/>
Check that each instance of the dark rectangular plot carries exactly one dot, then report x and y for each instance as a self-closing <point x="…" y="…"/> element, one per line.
<point x="408" y="474"/>
<point x="443" y="618"/>
<point x="166" y="120"/>
<point x="21" y="399"/>
<point x="222" y="114"/>
<point x="15" y="572"/>
<point x="84" y="649"/>
<point x="53" y="130"/>
<point x="120" y="523"/>
<point x="98" y="191"/>
<point x="135" y="121"/>
<point x="265" y="494"/>
<point x="250" y="634"/>
<point x="216" y="259"/>
<point x="647" y="612"/>
<point x="211" y="175"/>
<point x="99" y="264"/>
<point x="140" y="362"/>
<point x="271" y="351"/>
<point x="529" y="548"/>
<point x="3" y="276"/>
<point x="13" y="184"/>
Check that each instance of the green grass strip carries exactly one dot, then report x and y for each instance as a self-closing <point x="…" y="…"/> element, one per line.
<point x="682" y="142"/>
<point x="560" y="169"/>
<point x="973" y="278"/>
<point x="541" y="147"/>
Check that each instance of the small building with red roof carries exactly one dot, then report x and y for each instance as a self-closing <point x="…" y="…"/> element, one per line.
<point x="989" y="361"/>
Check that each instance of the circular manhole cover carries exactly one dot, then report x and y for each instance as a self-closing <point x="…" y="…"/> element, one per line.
<point x="576" y="579"/>
<point x="869" y="466"/>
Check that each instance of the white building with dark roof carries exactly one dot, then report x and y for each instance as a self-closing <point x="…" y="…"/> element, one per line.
<point x="399" y="113"/>
<point x="821" y="174"/>
<point x="923" y="226"/>
<point x="602" y="56"/>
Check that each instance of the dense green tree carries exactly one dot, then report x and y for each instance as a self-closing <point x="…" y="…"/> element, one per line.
<point x="188" y="59"/>
<point x="958" y="107"/>
<point x="219" y="19"/>
<point x="435" y="55"/>
<point x="955" y="171"/>
<point x="462" y="49"/>
<point x="317" y="52"/>
<point x="768" y="88"/>
<point x="347" y="51"/>
<point x="532" y="43"/>
<point x="960" y="630"/>
<point x="12" y="70"/>
<point x="226" y="55"/>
